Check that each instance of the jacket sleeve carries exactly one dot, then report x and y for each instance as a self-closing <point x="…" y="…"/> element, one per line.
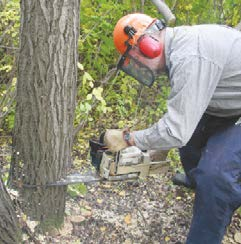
<point x="193" y="82"/>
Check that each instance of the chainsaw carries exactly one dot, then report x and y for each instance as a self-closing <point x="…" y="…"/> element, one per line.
<point x="127" y="164"/>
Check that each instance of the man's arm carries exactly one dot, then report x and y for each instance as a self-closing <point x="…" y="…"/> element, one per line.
<point x="193" y="83"/>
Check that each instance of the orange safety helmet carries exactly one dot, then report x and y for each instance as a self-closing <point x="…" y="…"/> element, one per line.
<point x="135" y="39"/>
<point x="140" y="22"/>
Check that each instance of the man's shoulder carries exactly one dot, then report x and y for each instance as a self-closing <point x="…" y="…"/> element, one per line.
<point x="197" y="29"/>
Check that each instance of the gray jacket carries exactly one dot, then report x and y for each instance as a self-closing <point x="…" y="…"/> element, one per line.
<point x="204" y="64"/>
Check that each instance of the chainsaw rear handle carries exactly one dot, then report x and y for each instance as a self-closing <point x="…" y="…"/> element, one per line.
<point x="96" y="152"/>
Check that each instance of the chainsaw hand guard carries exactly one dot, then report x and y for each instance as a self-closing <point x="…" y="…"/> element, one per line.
<point x="96" y="152"/>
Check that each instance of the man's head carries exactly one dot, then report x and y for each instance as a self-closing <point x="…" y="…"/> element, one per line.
<point x="137" y="38"/>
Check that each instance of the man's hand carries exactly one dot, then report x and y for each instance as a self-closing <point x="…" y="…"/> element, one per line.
<point x="114" y="140"/>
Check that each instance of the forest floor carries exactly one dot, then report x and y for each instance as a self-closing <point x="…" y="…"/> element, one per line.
<point x="144" y="211"/>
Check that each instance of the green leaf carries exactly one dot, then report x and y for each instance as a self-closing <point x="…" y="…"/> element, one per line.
<point x="97" y="92"/>
<point x="76" y="190"/>
<point x="88" y="77"/>
<point x="80" y="66"/>
<point x="89" y="96"/>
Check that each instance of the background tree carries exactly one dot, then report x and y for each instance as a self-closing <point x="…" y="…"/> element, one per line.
<point x="45" y="103"/>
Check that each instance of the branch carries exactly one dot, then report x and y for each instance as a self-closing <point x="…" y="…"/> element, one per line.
<point x="142" y="6"/>
<point x="165" y="11"/>
<point x="108" y="76"/>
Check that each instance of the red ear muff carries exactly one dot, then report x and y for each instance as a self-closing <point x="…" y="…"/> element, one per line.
<point x="150" y="47"/>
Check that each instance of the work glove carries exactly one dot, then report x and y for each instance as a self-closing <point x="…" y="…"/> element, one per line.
<point x="114" y="140"/>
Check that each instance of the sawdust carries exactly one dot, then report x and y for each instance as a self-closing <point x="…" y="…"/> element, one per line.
<point x="145" y="211"/>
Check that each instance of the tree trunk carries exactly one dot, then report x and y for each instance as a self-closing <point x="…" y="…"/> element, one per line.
<point x="45" y="103"/>
<point x="9" y="229"/>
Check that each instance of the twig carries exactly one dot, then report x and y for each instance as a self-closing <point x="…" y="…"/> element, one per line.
<point x="6" y="47"/>
<point x="5" y="31"/>
<point x="174" y="6"/>
<point x="144" y="219"/>
<point x="139" y="211"/>
<point x="108" y="76"/>
<point x="142" y="5"/>
<point x="96" y="25"/>
<point x="79" y="127"/>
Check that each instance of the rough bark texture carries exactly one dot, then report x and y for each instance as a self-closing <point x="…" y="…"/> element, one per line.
<point x="46" y="88"/>
<point x="9" y="229"/>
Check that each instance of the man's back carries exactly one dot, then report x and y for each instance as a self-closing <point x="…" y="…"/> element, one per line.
<point x="215" y="44"/>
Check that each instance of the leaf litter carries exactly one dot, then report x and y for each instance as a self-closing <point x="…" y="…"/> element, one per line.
<point x="144" y="211"/>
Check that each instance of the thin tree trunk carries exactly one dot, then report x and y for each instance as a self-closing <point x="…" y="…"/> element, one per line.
<point x="43" y="133"/>
<point x="9" y="229"/>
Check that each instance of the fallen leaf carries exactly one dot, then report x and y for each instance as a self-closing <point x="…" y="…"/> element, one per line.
<point x="127" y="241"/>
<point x="237" y="237"/>
<point x="99" y="201"/>
<point x="77" y="219"/>
<point x="88" y="207"/>
<point x="127" y="219"/>
<point x="106" y="185"/>
<point x="167" y="238"/>
<point x="103" y="228"/>
<point x="122" y="193"/>
<point x="85" y="212"/>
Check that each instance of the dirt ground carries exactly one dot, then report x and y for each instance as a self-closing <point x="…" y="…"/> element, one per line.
<point x="146" y="211"/>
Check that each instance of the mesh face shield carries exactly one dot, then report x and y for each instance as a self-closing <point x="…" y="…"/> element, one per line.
<point x="133" y="63"/>
<point x="130" y="64"/>
<point x="139" y="63"/>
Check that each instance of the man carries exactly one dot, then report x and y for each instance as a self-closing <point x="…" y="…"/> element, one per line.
<point x="204" y="68"/>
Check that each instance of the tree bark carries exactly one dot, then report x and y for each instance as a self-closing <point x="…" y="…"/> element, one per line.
<point x="45" y="103"/>
<point x="9" y="229"/>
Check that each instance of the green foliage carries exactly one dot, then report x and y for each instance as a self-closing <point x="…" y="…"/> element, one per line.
<point x="90" y="98"/>
<point x="100" y="98"/>
<point x="204" y="12"/>
<point x="123" y="101"/>
<point x="76" y="190"/>
<point x="9" y="32"/>
<point x="104" y="98"/>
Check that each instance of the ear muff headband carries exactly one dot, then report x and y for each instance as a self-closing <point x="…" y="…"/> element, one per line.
<point x="149" y="46"/>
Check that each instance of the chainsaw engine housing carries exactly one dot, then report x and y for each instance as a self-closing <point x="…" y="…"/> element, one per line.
<point x="129" y="163"/>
